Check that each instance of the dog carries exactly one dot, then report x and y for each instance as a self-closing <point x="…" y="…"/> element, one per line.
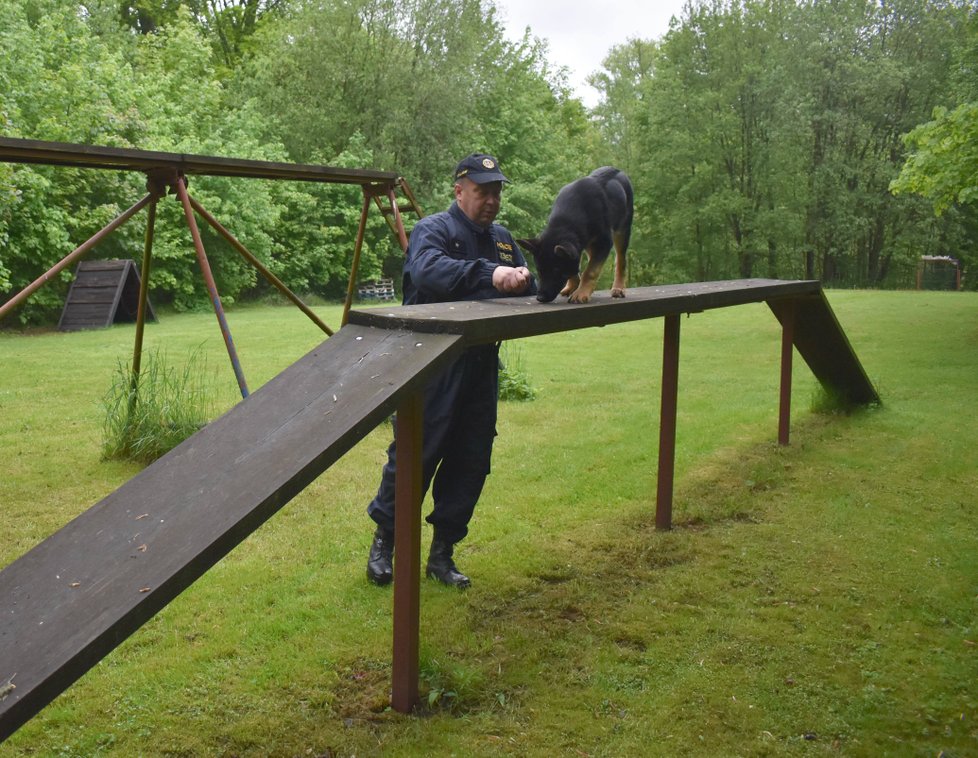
<point x="592" y="213"/>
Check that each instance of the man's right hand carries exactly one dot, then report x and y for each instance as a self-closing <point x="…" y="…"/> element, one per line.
<point x="510" y="280"/>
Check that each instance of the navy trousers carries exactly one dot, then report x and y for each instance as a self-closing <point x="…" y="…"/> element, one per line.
<point x="459" y="429"/>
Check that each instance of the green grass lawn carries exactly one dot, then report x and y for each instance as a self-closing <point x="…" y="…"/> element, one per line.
<point x="815" y="599"/>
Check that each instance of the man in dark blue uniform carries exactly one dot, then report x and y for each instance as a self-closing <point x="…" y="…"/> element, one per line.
<point x="458" y="254"/>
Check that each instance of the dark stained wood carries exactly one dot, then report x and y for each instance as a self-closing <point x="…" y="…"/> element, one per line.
<point x="408" y="494"/>
<point x="822" y="343"/>
<point x="77" y="595"/>
<point x="484" y="321"/>
<point x="818" y="336"/>
<point x="14" y="150"/>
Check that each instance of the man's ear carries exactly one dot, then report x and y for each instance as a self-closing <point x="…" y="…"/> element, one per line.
<point x="531" y="245"/>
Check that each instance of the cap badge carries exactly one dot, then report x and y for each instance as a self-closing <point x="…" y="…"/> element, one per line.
<point x="487" y="163"/>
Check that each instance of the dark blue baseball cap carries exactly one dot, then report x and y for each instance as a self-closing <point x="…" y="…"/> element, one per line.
<point x="480" y="168"/>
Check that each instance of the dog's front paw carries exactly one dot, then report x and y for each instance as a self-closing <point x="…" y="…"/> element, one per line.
<point x="580" y="297"/>
<point x="618" y="292"/>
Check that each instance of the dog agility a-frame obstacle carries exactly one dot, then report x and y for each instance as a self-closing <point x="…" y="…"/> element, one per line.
<point x="77" y="595"/>
<point x="72" y="599"/>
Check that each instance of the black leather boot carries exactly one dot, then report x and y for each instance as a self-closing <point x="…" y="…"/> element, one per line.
<point x="442" y="567"/>
<point x="380" y="562"/>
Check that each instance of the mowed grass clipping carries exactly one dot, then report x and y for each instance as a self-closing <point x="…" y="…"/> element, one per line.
<point x="819" y="599"/>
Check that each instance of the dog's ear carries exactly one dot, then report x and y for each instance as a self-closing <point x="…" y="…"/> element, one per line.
<point x="566" y="252"/>
<point x="531" y="245"/>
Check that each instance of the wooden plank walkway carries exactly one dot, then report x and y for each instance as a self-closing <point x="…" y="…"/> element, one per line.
<point x="69" y="601"/>
<point x="819" y="338"/>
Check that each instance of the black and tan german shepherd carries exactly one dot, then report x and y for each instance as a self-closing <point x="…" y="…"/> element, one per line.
<point x="592" y="213"/>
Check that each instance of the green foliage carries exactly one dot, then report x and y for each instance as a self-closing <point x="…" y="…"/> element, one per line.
<point x="148" y="414"/>
<point x="943" y="161"/>
<point x="360" y="85"/>
<point x="943" y="164"/>
<point x="229" y="24"/>
<point x="422" y="83"/>
<point x="763" y="138"/>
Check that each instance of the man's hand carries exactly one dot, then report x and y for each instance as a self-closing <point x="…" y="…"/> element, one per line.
<point x="510" y="280"/>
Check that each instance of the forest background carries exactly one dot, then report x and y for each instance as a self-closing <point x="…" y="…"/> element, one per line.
<point x="826" y="139"/>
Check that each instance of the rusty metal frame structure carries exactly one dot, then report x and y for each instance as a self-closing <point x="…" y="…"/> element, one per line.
<point x="167" y="173"/>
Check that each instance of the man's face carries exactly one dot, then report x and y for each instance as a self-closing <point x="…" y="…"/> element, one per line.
<point x="480" y="202"/>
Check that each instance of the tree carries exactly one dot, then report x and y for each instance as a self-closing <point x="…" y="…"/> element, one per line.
<point x="764" y="135"/>
<point x="943" y="161"/>
<point x="423" y="82"/>
<point x="229" y="23"/>
<point x="79" y="79"/>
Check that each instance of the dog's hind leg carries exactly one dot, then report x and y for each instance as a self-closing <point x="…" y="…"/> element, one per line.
<point x="621" y="261"/>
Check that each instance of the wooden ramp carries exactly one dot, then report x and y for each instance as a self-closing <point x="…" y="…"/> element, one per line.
<point x="73" y="598"/>
<point x="69" y="601"/>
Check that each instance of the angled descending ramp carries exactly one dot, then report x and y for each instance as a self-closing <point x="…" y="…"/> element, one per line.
<point x="69" y="601"/>
<point x="822" y="342"/>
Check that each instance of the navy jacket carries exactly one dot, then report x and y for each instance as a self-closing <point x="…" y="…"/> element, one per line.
<point x="450" y="257"/>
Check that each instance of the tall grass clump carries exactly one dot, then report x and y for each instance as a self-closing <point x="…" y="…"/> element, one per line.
<point x="826" y="401"/>
<point x="514" y="381"/>
<point x="148" y="414"/>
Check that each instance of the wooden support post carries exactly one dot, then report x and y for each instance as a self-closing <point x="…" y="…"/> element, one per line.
<point x="407" y="553"/>
<point x="667" y="422"/>
<point x="398" y="221"/>
<point x="787" y="350"/>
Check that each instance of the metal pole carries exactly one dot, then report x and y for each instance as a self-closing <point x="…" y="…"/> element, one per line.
<point x="248" y="256"/>
<point x="787" y="350"/>
<point x="74" y="255"/>
<point x="137" y="350"/>
<point x="188" y="211"/>
<point x="407" y="552"/>
<point x="667" y="422"/>
<point x="355" y="266"/>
